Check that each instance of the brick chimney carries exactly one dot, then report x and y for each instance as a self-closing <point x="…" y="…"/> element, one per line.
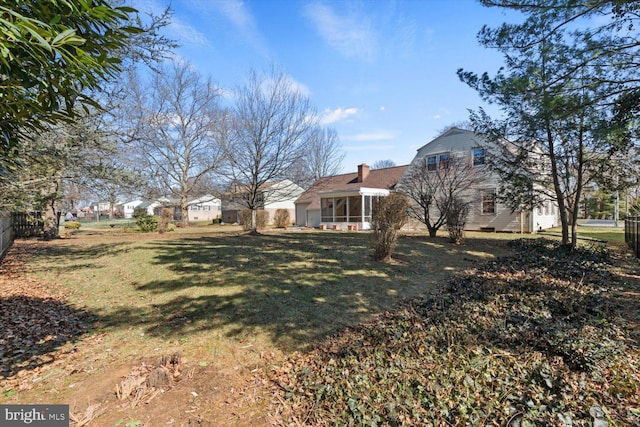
<point x="363" y="172"/>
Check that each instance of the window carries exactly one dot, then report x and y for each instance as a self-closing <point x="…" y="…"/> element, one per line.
<point x="443" y="160"/>
<point x="438" y="161"/>
<point x="488" y="202"/>
<point x="341" y="210"/>
<point x="431" y="163"/>
<point x="326" y="208"/>
<point x="206" y="207"/>
<point x="478" y="156"/>
<point x="195" y="207"/>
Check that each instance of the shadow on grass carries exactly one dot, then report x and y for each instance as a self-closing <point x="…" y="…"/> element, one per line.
<point x="294" y="287"/>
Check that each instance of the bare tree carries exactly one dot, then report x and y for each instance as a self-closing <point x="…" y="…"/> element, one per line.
<point x="381" y="164"/>
<point x="433" y="190"/>
<point x="272" y="120"/>
<point x="323" y="157"/>
<point x="176" y="115"/>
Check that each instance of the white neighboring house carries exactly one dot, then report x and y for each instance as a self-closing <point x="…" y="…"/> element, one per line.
<point x="154" y="207"/>
<point x="205" y="208"/>
<point x="271" y="197"/>
<point x="129" y="207"/>
<point x="281" y="195"/>
<point x="487" y="214"/>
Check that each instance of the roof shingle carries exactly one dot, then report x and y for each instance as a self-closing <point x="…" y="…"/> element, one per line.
<point x="385" y="178"/>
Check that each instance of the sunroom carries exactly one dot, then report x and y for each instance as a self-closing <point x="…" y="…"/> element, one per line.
<point x="348" y="209"/>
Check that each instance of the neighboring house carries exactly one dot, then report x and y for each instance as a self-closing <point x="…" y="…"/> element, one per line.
<point x="273" y="196"/>
<point x="129" y="207"/>
<point x="346" y="200"/>
<point x="205" y="208"/>
<point x="486" y="212"/>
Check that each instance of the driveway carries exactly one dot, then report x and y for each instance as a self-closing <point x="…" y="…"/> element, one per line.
<point x="602" y="223"/>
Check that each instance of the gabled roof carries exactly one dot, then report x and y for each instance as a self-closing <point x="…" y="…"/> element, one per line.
<point x="454" y="138"/>
<point x="385" y="178"/>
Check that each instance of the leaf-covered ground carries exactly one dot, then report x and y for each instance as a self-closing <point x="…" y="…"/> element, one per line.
<point x="546" y="337"/>
<point x="37" y="325"/>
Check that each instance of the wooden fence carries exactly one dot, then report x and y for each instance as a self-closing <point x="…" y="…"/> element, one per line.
<point x="27" y="224"/>
<point x="6" y="233"/>
<point x="632" y="233"/>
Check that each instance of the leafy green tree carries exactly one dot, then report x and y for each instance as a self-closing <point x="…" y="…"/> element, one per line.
<point x="565" y="100"/>
<point x="58" y="64"/>
<point x="52" y="53"/>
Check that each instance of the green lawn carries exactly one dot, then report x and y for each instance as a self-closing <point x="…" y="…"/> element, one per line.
<point x="612" y="235"/>
<point x="227" y="299"/>
<point x="210" y="284"/>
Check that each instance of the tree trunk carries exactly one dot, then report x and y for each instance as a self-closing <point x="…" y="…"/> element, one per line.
<point x="184" y="208"/>
<point x="254" y="221"/>
<point x="112" y="203"/>
<point x="51" y="222"/>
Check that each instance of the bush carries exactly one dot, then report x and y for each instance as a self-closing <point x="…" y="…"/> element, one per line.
<point x="457" y="219"/>
<point x="389" y="215"/>
<point x="261" y="219"/>
<point x="165" y="219"/>
<point x="72" y="225"/>
<point x="281" y="218"/>
<point x="145" y="222"/>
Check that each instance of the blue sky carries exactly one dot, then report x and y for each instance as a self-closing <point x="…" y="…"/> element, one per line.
<point x="382" y="73"/>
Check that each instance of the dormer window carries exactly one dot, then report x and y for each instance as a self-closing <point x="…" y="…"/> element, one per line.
<point x="478" y="156"/>
<point x="438" y="161"/>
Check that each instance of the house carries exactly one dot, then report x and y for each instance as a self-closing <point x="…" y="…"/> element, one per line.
<point x="345" y="200"/>
<point x="272" y="196"/>
<point x="155" y="207"/>
<point x="205" y="208"/>
<point x="129" y="207"/>
<point x="486" y="213"/>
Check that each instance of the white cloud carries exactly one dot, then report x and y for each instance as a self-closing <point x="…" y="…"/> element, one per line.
<point x="441" y="112"/>
<point x="177" y="29"/>
<point x="300" y="87"/>
<point x="186" y="34"/>
<point x="331" y="116"/>
<point x="350" y="34"/>
<point x="237" y="12"/>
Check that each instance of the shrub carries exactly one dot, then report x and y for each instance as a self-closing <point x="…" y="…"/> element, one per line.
<point x="389" y="215"/>
<point x="72" y="225"/>
<point x="281" y="218"/>
<point x="145" y="222"/>
<point x="165" y="219"/>
<point x="457" y="218"/>
<point x="261" y="219"/>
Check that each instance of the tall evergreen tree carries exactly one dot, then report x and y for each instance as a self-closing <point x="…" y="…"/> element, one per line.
<point x="565" y="98"/>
